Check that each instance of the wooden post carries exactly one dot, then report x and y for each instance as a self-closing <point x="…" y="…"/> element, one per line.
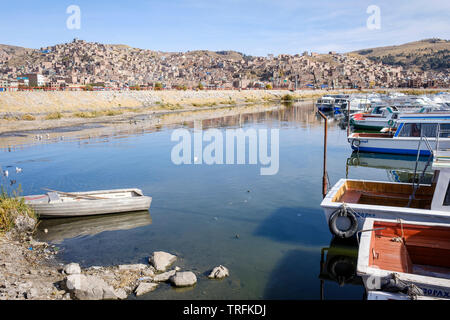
<point x="324" y="178"/>
<point x="348" y="118"/>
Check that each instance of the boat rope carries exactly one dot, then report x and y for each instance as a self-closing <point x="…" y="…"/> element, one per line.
<point x="395" y="284"/>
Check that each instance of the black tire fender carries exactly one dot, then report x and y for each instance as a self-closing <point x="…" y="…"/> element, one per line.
<point x="356" y="143"/>
<point x="343" y="234"/>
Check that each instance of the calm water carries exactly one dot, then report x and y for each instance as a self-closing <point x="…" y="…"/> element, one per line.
<point x="268" y="230"/>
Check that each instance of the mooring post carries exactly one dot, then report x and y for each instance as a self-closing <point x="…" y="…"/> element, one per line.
<point x="348" y="118"/>
<point x="324" y="179"/>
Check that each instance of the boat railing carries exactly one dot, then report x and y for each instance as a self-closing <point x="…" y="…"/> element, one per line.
<point x="422" y="176"/>
<point x="439" y="134"/>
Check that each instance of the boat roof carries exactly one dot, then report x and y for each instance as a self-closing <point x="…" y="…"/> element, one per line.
<point x="430" y="117"/>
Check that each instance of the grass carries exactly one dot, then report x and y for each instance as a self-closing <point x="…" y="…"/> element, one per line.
<point x="207" y="104"/>
<point x="96" y="114"/>
<point x="10" y="208"/>
<point x="287" y="97"/>
<point x="28" y="117"/>
<point x="54" y="116"/>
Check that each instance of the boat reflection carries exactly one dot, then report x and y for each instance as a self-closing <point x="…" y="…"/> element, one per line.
<point x="60" y="229"/>
<point x="338" y="263"/>
<point x="399" y="168"/>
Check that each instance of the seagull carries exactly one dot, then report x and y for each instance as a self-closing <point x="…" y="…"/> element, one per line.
<point x="12" y="182"/>
<point x="18" y="170"/>
<point x="6" y="173"/>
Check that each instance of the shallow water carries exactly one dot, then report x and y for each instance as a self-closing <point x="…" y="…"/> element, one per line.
<point x="268" y="230"/>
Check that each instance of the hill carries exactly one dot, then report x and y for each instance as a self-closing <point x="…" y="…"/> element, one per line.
<point x="428" y="54"/>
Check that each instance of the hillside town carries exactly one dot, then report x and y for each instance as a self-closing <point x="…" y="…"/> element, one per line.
<point x="81" y="65"/>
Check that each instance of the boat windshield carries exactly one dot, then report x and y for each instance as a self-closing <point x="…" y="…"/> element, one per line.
<point x="428" y="130"/>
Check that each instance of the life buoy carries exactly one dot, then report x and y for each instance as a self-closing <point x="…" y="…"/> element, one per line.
<point x="356" y="143"/>
<point x="344" y="234"/>
<point x="391" y="123"/>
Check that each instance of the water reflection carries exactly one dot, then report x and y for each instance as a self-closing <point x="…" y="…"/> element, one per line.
<point x="57" y="230"/>
<point x="399" y="168"/>
<point x="338" y="265"/>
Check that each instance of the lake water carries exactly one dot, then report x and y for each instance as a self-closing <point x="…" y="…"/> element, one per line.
<point x="268" y="230"/>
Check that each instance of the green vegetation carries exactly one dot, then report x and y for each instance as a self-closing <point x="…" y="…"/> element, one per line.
<point x="10" y="208"/>
<point x="268" y="86"/>
<point x="158" y="86"/>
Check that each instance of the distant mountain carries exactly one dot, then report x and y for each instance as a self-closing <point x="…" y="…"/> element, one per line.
<point x="428" y="54"/>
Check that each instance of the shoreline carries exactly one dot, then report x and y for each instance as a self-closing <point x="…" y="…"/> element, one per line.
<point x="49" y="131"/>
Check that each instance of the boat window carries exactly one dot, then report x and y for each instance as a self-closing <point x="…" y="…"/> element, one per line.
<point x="429" y="129"/>
<point x="444" y="131"/>
<point x="410" y="130"/>
<point x="447" y="196"/>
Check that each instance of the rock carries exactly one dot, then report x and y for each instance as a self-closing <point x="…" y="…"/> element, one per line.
<point x="72" y="268"/>
<point x="184" y="279"/>
<point x="133" y="267"/>
<point x="24" y="223"/>
<point x="162" y="260"/>
<point x="219" y="272"/>
<point x="164" y="276"/>
<point x="121" y="294"/>
<point x="144" y="288"/>
<point x="89" y="288"/>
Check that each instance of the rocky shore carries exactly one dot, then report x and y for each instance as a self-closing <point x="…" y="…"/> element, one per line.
<point x="29" y="270"/>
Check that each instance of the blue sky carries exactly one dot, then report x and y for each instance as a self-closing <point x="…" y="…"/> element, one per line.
<point x="257" y="27"/>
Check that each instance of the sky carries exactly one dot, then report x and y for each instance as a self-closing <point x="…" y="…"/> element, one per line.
<point x="257" y="27"/>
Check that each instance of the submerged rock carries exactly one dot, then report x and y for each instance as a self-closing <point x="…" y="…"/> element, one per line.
<point x="219" y="272"/>
<point x="144" y="288"/>
<point x="184" y="279"/>
<point x="89" y="288"/>
<point x="162" y="260"/>
<point x="72" y="268"/>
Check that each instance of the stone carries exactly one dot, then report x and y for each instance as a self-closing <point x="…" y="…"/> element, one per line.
<point x="219" y="272"/>
<point x="184" y="279"/>
<point x="24" y="223"/>
<point x="133" y="267"/>
<point x="89" y="288"/>
<point x="72" y="268"/>
<point x="162" y="277"/>
<point x="162" y="260"/>
<point x="121" y="294"/>
<point x="144" y="288"/>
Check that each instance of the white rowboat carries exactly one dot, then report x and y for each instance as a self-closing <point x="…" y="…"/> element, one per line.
<point x="59" y="204"/>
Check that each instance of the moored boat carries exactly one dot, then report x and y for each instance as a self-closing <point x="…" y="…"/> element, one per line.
<point x="375" y="121"/>
<point x="351" y="201"/>
<point x="56" y="204"/>
<point x="418" y="131"/>
<point x="325" y="104"/>
<point x="407" y="257"/>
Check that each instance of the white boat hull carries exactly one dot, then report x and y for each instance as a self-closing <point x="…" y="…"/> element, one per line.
<point x="380" y="212"/>
<point x="90" y="207"/>
<point x="397" y="145"/>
